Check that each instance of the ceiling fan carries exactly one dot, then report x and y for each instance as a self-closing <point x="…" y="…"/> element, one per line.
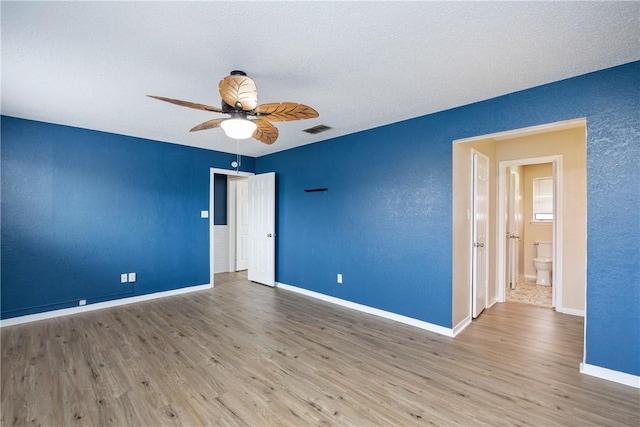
<point x="240" y="100"/>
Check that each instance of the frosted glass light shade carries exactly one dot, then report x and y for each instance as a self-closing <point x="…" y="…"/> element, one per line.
<point x="238" y="128"/>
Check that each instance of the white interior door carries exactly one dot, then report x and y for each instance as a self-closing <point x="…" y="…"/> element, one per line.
<point x="242" y="225"/>
<point x="262" y="236"/>
<point x="513" y="227"/>
<point x="480" y="261"/>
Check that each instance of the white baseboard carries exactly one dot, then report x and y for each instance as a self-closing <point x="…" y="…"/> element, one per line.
<point x="460" y="326"/>
<point x="371" y="310"/>
<point x="97" y="306"/>
<point x="611" y="375"/>
<point x="572" y="311"/>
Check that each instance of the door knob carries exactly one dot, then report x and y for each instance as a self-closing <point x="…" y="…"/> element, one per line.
<point x="269" y="235"/>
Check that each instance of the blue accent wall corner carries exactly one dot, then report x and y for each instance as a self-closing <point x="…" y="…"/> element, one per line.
<point x="80" y="207"/>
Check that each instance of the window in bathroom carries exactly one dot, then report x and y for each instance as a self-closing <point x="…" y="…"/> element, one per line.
<point x="543" y="199"/>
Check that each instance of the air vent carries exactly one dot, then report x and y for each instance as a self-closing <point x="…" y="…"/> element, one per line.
<point x="317" y="129"/>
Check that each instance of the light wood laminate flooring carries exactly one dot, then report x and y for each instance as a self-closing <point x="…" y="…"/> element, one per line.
<point x="249" y="355"/>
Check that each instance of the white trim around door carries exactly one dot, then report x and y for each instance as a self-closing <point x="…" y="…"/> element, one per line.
<point x="556" y="161"/>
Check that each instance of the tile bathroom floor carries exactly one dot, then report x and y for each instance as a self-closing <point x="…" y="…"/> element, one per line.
<point x="528" y="292"/>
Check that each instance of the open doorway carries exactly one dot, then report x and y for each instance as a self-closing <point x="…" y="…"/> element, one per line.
<point x="548" y="143"/>
<point x="219" y="234"/>
<point x="260" y="221"/>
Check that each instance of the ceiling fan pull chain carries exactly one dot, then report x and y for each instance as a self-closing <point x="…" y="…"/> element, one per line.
<point x="238" y="157"/>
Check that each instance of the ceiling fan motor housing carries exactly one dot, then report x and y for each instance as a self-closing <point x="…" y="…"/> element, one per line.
<point x="230" y="109"/>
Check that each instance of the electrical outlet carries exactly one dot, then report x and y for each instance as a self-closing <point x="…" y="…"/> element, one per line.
<point x="82" y="302"/>
<point x="339" y="278"/>
<point x="132" y="277"/>
<point x="123" y="278"/>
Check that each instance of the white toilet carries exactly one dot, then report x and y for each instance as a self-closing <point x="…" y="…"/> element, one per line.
<point x="543" y="262"/>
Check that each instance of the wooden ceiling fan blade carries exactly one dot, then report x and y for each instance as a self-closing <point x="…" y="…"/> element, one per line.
<point x="209" y="124"/>
<point x="239" y="91"/>
<point x="285" y="111"/>
<point x="188" y="104"/>
<point x="265" y="131"/>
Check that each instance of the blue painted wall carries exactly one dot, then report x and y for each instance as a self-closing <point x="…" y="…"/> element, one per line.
<point x="219" y="199"/>
<point x="79" y="207"/>
<point x="385" y="221"/>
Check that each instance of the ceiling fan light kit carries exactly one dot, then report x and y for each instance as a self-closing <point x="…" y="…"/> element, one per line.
<point x="238" y="128"/>
<point x="240" y="100"/>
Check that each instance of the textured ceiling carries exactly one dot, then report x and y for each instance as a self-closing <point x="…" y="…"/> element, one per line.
<point x="359" y="64"/>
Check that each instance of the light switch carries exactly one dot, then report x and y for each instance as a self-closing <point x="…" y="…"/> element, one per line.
<point x="123" y="278"/>
<point x="132" y="277"/>
<point x="204" y="214"/>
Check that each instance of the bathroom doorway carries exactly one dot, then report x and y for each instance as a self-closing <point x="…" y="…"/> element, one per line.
<point x="531" y="215"/>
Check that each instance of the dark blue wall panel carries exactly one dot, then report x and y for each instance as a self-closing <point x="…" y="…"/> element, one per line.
<point x="220" y="199"/>
<point x="80" y="207"/>
<point x="385" y="221"/>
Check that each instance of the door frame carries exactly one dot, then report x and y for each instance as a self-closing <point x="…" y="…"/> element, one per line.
<point x="212" y="172"/>
<point x="556" y="161"/>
